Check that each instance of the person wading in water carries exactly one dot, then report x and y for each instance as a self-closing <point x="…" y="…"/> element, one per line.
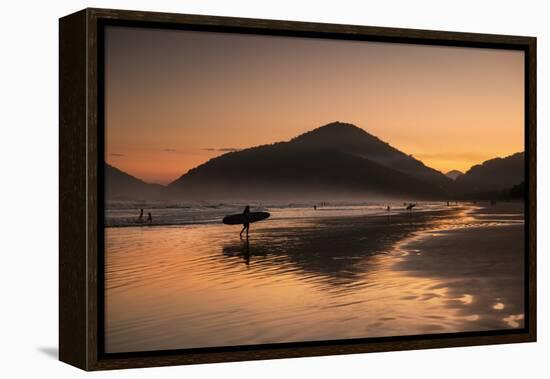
<point x="246" y="224"/>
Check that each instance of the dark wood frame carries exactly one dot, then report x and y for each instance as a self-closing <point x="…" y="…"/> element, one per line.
<point x="81" y="191"/>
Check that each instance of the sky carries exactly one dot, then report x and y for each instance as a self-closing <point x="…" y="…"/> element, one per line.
<point x="175" y="99"/>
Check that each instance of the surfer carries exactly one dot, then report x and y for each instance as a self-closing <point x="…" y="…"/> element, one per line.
<point x="246" y="224"/>
<point x="140" y="218"/>
<point x="410" y="206"/>
<point x="149" y="218"/>
<point x="245" y="219"/>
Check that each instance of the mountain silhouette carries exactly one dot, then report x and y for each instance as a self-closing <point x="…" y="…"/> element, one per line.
<point x="120" y="185"/>
<point x="493" y="175"/>
<point x="453" y="174"/>
<point x="337" y="160"/>
<point x="355" y="141"/>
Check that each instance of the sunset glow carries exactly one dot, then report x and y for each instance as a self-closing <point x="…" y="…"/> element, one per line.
<point x="175" y="99"/>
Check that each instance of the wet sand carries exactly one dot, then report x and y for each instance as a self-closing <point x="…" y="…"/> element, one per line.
<point x="458" y="269"/>
<point x="482" y="267"/>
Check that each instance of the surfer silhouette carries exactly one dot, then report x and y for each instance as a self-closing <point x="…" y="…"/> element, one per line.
<point x="140" y="218"/>
<point x="246" y="224"/>
<point x="410" y="207"/>
<point x="245" y="219"/>
<point x="149" y="218"/>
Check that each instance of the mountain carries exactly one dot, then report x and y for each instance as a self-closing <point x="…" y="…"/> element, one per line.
<point x="352" y="140"/>
<point x="337" y="160"/>
<point x="453" y="174"/>
<point x="122" y="186"/>
<point x="493" y="175"/>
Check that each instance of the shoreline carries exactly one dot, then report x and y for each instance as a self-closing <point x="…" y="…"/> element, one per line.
<point x="322" y="214"/>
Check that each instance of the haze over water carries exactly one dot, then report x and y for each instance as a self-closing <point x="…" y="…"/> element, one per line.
<point x="340" y="272"/>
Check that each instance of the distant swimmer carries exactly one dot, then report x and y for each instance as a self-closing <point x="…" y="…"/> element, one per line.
<point x="149" y="218"/>
<point x="140" y="218"/>
<point x="246" y="223"/>
<point x="315" y="207"/>
<point x="388" y="208"/>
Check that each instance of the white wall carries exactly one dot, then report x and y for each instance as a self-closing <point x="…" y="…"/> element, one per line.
<point x="28" y="205"/>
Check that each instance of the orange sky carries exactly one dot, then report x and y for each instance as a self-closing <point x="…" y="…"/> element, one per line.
<point x="175" y="99"/>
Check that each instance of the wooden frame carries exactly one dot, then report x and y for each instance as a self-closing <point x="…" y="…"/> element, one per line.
<point x="80" y="260"/>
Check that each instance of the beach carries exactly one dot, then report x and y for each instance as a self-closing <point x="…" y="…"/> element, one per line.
<point x="482" y="267"/>
<point x="303" y="275"/>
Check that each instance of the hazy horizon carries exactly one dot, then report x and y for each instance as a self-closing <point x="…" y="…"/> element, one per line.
<point x="175" y="99"/>
<point x="220" y="152"/>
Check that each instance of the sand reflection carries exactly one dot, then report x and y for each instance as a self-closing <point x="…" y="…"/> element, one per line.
<point x="312" y="279"/>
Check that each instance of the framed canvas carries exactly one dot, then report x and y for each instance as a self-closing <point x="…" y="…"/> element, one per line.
<point x="240" y="189"/>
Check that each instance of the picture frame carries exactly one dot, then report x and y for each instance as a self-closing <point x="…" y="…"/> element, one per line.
<point x="81" y="192"/>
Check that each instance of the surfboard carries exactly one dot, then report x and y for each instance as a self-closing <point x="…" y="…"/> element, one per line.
<point x="240" y="219"/>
